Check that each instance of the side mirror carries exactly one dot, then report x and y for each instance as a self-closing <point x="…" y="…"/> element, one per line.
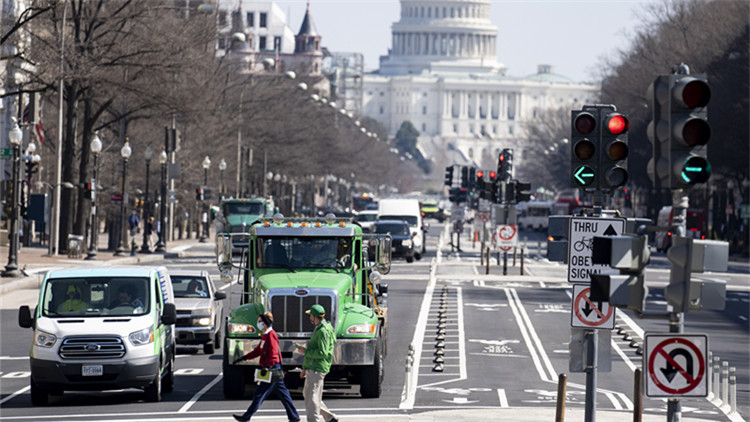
<point x="169" y="316"/>
<point x="383" y="263"/>
<point x="224" y="252"/>
<point x="220" y="295"/>
<point x="24" y="317"/>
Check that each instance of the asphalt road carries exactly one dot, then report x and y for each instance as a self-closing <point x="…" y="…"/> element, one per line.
<point x="506" y="340"/>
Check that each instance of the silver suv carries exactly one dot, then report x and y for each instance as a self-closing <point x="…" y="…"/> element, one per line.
<point x="199" y="310"/>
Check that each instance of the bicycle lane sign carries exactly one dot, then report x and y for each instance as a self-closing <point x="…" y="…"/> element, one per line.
<point x="581" y="238"/>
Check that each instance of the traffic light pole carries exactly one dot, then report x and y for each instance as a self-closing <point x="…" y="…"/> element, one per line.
<point x="680" y="202"/>
<point x="592" y="339"/>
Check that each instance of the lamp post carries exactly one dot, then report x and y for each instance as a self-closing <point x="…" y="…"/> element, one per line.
<point x="204" y="216"/>
<point x="161" y="246"/>
<point x="125" y="152"/>
<point x="147" y="206"/>
<point x="222" y="167"/>
<point x="11" y="269"/>
<point x="96" y="148"/>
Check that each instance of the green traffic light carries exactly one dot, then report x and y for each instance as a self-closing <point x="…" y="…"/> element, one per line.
<point x="584" y="175"/>
<point x="695" y="170"/>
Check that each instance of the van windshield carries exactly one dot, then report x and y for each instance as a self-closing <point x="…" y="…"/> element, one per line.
<point x="96" y="296"/>
<point x="411" y="219"/>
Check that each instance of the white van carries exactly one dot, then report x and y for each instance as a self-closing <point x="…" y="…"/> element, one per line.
<point x="102" y="329"/>
<point x="534" y="215"/>
<point x="409" y="211"/>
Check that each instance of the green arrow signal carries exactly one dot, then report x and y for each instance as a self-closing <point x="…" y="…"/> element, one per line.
<point x="582" y="173"/>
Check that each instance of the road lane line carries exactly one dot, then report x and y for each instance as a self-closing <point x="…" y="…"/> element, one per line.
<point x="198" y="395"/>
<point x="532" y="331"/>
<point x="526" y="337"/>
<point x="502" y="397"/>
<point x="614" y="401"/>
<point x="17" y="393"/>
<point x="624" y="357"/>
<point x="461" y="333"/>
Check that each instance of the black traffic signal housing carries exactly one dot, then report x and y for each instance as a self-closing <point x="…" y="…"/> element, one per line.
<point x="480" y="184"/>
<point x="522" y="192"/>
<point x="88" y="191"/>
<point x="658" y="132"/>
<point x="689" y="130"/>
<point x="449" y="176"/>
<point x="613" y="151"/>
<point x="505" y="165"/>
<point x="454" y="194"/>
<point x="584" y="139"/>
<point x="199" y="194"/>
<point x="464" y="177"/>
<point x="472" y="179"/>
<point x="490" y="187"/>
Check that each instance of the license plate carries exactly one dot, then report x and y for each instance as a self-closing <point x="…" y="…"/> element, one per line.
<point x="92" y="370"/>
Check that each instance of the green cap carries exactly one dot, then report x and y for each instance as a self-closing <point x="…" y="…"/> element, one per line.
<point x="316" y="311"/>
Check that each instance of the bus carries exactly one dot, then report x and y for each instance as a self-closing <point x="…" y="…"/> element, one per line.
<point x="361" y="201"/>
<point x="534" y="215"/>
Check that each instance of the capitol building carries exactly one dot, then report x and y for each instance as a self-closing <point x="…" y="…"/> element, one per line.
<point x="442" y="74"/>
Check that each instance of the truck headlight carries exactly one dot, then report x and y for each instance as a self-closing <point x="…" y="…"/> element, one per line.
<point x="406" y="243"/>
<point x="204" y="317"/>
<point x="361" y="329"/>
<point x="205" y="321"/>
<point x="235" y="328"/>
<point x="43" y="339"/>
<point x="141" y="337"/>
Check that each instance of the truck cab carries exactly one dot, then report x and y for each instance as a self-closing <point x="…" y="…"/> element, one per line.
<point x="292" y="264"/>
<point x="237" y="215"/>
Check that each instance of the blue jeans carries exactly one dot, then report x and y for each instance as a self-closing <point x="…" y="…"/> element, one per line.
<point x="264" y="389"/>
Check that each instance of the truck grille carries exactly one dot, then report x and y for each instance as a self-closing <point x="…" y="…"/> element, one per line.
<point x="289" y="312"/>
<point x="92" y="348"/>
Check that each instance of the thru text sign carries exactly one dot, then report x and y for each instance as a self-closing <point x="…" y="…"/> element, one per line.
<point x="580" y="244"/>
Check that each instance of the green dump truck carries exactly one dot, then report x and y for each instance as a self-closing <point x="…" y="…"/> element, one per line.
<point x="237" y="215"/>
<point x="288" y="266"/>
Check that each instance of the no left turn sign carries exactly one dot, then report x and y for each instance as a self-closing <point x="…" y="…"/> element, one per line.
<point x="676" y="365"/>
<point x="590" y="314"/>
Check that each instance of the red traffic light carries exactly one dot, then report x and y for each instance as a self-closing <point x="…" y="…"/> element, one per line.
<point x="492" y="175"/>
<point x="617" y="124"/>
<point x="584" y="123"/>
<point x="480" y="174"/>
<point x="502" y="157"/>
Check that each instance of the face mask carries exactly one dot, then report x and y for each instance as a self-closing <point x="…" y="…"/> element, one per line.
<point x="261" y="325"/>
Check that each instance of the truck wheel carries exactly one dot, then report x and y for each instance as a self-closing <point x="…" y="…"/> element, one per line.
<point x="372" y="376"/>
<point x="39" y="395"/>
<point x="168" y="382"/>
<point x="217" y="340"/>
<point x="409" y="259"/>
<point x="233" y="379"/>
<point x="417" y="255"/>
<point x="208" y="348"/>
<point x="153" y="391"/>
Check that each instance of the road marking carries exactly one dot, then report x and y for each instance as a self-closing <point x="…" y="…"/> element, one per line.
<point x="198" y="395"/>
<point x="14" y="357"/>
<point x="526" y="336"/>
<point x="19" y="374"/>
<point x="17" y="393"/>
<point x="743" y="318"/>
<point x="502" y="397"/>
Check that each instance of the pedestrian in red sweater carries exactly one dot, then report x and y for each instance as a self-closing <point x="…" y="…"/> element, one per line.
<point x="270" y="357"/>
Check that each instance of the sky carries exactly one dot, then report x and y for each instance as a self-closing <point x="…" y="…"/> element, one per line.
<point x="572" y="36"/>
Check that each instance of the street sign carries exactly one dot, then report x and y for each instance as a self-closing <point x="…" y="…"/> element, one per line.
<point x="484" y="216"/>
<point x="587" y="313"/>
<point x="506" y="237"/>
<point x="6" y="153"/>
<point x="115" y="198"/>
<point x="676" y="365"/>
<point x="580" y="245"/>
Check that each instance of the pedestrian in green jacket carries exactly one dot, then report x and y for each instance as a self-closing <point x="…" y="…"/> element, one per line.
<point x="318" y="359"/>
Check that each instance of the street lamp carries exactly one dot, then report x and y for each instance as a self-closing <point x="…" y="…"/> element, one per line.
<point x="11" y="269"/>
<point x="125" y="152"/>
<point x="96" y="148"/>
<point x="161" y="246"/>
<point x="222" y="167"/>
<point x="204" y="216"/>
<point x="147" y="206"/>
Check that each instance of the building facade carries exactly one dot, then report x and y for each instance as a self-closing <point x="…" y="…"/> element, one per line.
<point x="442" y="75"/>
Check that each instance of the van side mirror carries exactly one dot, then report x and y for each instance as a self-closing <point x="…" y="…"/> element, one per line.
<point x="169" y="316"/>
<point x="24" y="317"/>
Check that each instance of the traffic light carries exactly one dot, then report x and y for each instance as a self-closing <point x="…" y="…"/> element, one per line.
<point x="584" y="139"/>
<point x="523" y="192"/>
<point x="88" y="191"/>
<point x="199" y="194"/>
<point x="630" y="254"/>
<point x="686" y="256"/>
<point x="449" y="176"/>
<point x="472" y="178"/>
<point x="689" y="130"/>
<point x="505" y="165"/>
<point x="464" y="177"/>
<point x="679" y="130"/>
<point x="614" y="150"/>
<point x="454" y="194"/>
<point x="481" y="184"/>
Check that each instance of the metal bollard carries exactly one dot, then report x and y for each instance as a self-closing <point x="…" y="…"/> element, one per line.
<point x="514" y="255"/>
<point x="710" y="376"/>
<point x="539" y="248"/>
<point x="487" y="268"/>
<point x="715" y="384"/>
<point x="481" y="252"/>
<point x="724" y="383"/>
<point x="733" y="390"/>
<point x="638" y="396"/>
<point x="522" y="253"/>
<point x="562" y="386"/>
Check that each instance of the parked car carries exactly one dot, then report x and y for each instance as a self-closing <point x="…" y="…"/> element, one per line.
<point x="199" y="310"/>
<point x="402" y="241"/>
<point x="366" y="219"/>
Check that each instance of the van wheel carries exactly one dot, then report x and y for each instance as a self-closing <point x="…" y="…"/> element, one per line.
<point x="372" y="376"/>
<point x="39" y="395"/>
<point x="208" y="348"/>
<point x="168" y="383"/>
<point x="153" y="391"/>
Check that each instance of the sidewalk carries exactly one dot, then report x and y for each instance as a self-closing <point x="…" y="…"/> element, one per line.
<point x="34" y="261"/>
